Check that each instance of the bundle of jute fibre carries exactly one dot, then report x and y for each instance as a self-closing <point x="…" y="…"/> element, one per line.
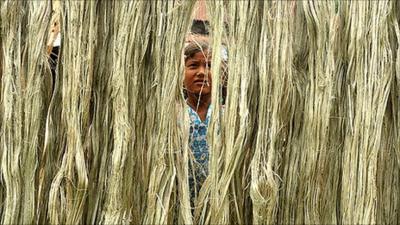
<point x="232" y="129"/>
<point x="315" y="109"/>
<point x="258" y="112"/>
<point x="368" y="77"/>
<point x="108" y="147"/>
<point x="317" y="180"/>
<point x="388" y="160"/>
<point x="24" y="99"/>
<point x="125" y="64"/>
<point x="72" y="96"/>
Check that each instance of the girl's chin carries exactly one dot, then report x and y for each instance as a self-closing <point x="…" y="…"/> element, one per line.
<point x="201" y="92"/>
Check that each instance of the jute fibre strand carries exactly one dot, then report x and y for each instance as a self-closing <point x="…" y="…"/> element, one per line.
<point x="310" y="131"/>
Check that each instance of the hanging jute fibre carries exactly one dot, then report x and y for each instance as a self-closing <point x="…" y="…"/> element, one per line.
<point x="309" y="132"/>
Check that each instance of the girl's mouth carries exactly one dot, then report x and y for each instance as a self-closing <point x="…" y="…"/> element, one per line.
<point x="201" y="82"/>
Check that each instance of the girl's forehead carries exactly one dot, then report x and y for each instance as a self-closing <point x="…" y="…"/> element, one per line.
<point x="201" y="55"/>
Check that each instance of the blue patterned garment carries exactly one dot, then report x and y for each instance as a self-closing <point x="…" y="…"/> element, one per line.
<point x="198" y="144"/>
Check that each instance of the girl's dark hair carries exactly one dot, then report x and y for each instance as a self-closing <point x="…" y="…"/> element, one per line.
<point x="196" y="46"/>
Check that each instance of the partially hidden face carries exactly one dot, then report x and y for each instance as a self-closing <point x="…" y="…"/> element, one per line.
<point x="197" y="78"/>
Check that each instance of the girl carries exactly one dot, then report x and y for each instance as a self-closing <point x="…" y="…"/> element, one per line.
<point x="197" y="88"/>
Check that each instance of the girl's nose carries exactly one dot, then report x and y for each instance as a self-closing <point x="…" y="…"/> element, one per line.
<point x="203" y="70"/>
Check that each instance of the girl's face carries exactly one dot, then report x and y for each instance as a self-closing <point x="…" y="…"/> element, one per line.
<point x="197" y="78"/>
